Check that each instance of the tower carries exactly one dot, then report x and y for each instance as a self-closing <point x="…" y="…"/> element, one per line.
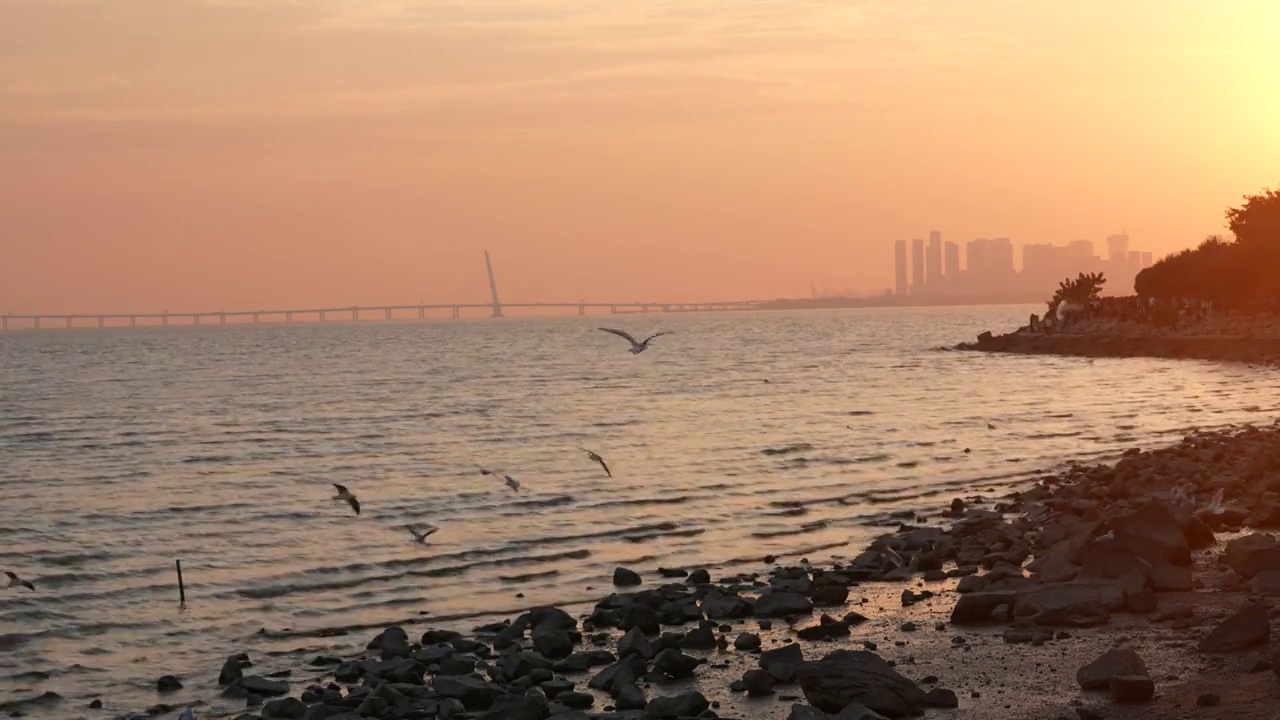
<point x="917" y="266"/>
<point x="493" y="286"/>
<point x="900" y="268"/>
<point x="933" y="262"/>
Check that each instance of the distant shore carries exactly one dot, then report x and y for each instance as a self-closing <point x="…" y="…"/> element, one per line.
<point x="1129" y="605"/>
<point x="1233" y="340"/>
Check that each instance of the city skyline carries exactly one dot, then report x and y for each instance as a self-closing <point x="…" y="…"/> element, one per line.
<point x="341" y="152"/>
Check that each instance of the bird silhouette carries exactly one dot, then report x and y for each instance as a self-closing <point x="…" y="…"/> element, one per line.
<point x="345" y="495"/>
<point x="636" y="347"/>
<point x="595" y="457"/>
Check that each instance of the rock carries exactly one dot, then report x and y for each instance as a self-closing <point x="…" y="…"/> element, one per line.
<point x="1169" y="578"/>
<point x="435" y="637"/>
<point x="717" y="605"/>
<point x="747" y="641"/>
<point x="846" y="676"/>
<point x="1113" y="663"/>
<point x="232" y="669"/>
<point x="622" y="577"/>
<point x="775" y="604"/>
<point x="619" y="673"/>
<point x="857" y="711"/>
<point x="630" y="697"/>
<point x="941" y="698"/>
<point x="1209" y="700"/>
<point x="391" y="643"/>
<point x="258" y="685"/>
<point x="555" y="645"/>
<point x="168" y="684"/>
<point x="1250" y="627"/>
<point x="804" y="712"/>
<point x="699" y="577"/>
<point x="1255" y="663"/>
<point x="1106" y="560"/>
<point x="1153" y="534"/>
<point x="758" y="682"/>
<point x="473" y="693"/>
<point x="827" y="629"/>
<point x="286" y="708"/>
<point x="1079" y="603"/>
<point x="684" y="705"/>
<point x="1267" y="583"/>
<point x="672" y="572"/>
<point x="830" y="595"/>
<point x="676" y="664"/>
<point x="782" y="663"/>
<point x="1132" y="688"/>
<point x="971" y="583"/>
<point x="635" y="643"/>
<point x="577" y="700"/>
<point x="1252" y="554"/>
<point x="977" y="607"/>
<point x="518" y="707"/>
<point x="702" y="638"/>
<point x="1198" y="534"/>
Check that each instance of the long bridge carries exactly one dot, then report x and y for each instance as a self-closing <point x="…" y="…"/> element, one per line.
<point x="351" y="314"/>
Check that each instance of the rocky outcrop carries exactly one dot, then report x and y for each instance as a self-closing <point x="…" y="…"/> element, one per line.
<point x="847" y="676"/>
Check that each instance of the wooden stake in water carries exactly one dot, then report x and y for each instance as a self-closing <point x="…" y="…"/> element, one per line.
<point x="182" y="589"/>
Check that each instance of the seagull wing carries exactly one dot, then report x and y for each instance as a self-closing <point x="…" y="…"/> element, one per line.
<point x="622" y="334"/>
<point x="655" y="335"/>
<point x="12" y="576"/>
<point x="354" y="503"/>
<point x="604" y="465"/>
<point x="27" y="584"/>
<point x="342" y="489"/>
<point x="429" y="530"/>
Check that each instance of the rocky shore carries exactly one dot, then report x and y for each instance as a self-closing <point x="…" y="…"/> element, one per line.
<point x="1228" y="339"/>
<point x="1139" y="589"/>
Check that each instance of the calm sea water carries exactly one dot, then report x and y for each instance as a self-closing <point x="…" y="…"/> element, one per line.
<point x="739" y="436"/>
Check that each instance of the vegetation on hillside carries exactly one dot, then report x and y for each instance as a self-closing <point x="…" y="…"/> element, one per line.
<point x="1239" y="272"/>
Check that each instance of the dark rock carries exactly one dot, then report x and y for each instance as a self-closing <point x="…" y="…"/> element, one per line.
<point x="623" y="577"/>
<point x="1113" y="663"/>
<point x="577" y="700"/>
<point x="1209" y="700"/>
<point x="555" y="645"/>
<point x="747" y="641"/>
<point x="971" y="583"/>
<point x="619" y="673"/>
<point x="846" y="676"/>
<point x="258" y="685"/>
<point x="804" y="712"/>
<point x="699" y="577"/>
<point x="830" y="595"/>
<point x="286" y="708"/>
<point x="433" y="637"/>
<point x="702" y="638"/>
<point x="518" y="707"/>
<point x="676" y="664"/>
<point x="473" y="693"/>
<point x="232" y="669"/>
<point x="672" y="572"/>
<point x="857" y="711"/>
<point x="941" y="698"/>
<point x="1252" y="554"/>
<point x="95" y="704"/>
<point x="718" y="605"/>
<point x="1170" y="578"/>
<point x="1107" y="560"/>
<point x="1255" y="663"/>
<point x="775" y="604"/>
<point x="1132" y="688"/>
<point x="643" y="617"/>
<point x="168" y="684"/>
<point x="1267" y="583"/>
<point x="392" y="643"/>
<point x="684" y="705"/>
<point x="977" y="607"/>
<point x="782" y="663"/>
<point x="1153" y="534"/>
<point x="635" y="643"/>
<point x="1250" y="627"/>
<point x="758" y="682"/>
<point x="630" y="697"/>
<point x="1198" y="534"/>
<point x="1079" y="603"/>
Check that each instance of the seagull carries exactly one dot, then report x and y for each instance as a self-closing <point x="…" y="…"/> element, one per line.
<point x="485" y="471"/>
<point x="595" y="457"/>
<point x="1106" y="537"/>
<point x="990" y="426"/>
<point x="1215" y="503"/>
<point x="636" y="347"/>
<point x="345" y="495"/>
<point x="421" y="535"/>
<point x="511" y="482"/>
<point x="15" y="581"/>
<point x="893" y="556"/>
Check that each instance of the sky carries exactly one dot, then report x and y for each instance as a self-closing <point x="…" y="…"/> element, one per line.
<point x="241" y="154"/>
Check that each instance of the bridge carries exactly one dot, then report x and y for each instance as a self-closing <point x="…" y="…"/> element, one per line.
<point x="354" y="313"/>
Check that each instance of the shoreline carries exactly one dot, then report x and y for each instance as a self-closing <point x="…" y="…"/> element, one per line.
<point x="966" y="619"/>
<point x="1230" y="348"/>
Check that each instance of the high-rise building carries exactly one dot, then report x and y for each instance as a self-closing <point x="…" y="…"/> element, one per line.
<point x="933" y="265"/>
<point x="952" y="265"/>
<point x="976" y="259"/>
<point x="1001" y="258"/>
<point x="1118" y="247"/>
<point x="900" y="267"/>
<point x="917" y="266"/>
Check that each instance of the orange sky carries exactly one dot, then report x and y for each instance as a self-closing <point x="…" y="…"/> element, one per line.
<point x="203" y="154"/>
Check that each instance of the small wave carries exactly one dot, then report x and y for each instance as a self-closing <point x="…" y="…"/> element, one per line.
<point x="788" y="449"/>
<point x="197" y="459"/>
<point x="1049" y="436"/>
<point x="515" y="579"/>
<point x="861" y="413"/>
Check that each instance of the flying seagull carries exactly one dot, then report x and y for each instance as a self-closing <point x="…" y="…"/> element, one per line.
<point x="595" y="457"/>
<point x="15" y="581"/>
<point x="485" y="471"/>
<point x="990" y="426"/>
<point x="636" y="347"/>
<point x="511" y="482"/>
<point x="421" y="535"/>
<point x="345" y="495"/>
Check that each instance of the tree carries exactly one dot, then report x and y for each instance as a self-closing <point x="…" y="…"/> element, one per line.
<point x="1083" y="290"/>
<point x="1256" y="225"/>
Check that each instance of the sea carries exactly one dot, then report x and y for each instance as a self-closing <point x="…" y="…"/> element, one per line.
<point x="737" y="437"/>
